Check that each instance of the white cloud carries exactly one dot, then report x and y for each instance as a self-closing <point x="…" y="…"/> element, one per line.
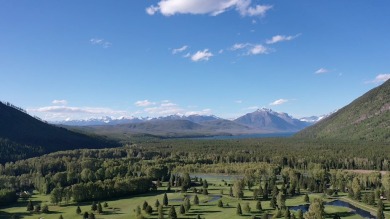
<point x="258" y="49"/>
<point x="380" y="78"/>
<point x="204" y="55"/>
<point x="278" y="102"/>
<point x="144" y="103"/>
<point x="201" y="112"/>
<point x="251" y="49"/>
<point x="321" y="71"/>
<point x="281" y="38"/>
<point x="60" y="102"/>
<point x="179" y="50"/>
<point x="165" y="108"/>
<point x="238" y="101"/>
<point x="100" y="42"/>
<point x="211" y="7"/>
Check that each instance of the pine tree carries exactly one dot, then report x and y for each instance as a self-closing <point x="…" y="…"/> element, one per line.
<point x="45" y="209"/>
<point x="165" y="200"/>
<point x="265" y="216"/>
<point x="60" y="217"/>
<point x="300" y="214"/>
<point x="187" y="204"/>
<point x="157" y="203"/>
<point x="93" y="206"/>
<point x="149" y="210"/>
<point x="379" y="213"/>
<point x="86" y="215"/>
<point x="196" y="200"/>
<point x="182" y="209"/>
<point x="138" y="210"/>
<point x="306" y="198"/>
<point x="231" y="191"/>
<point x="258" y="206"/>
<point x="198" y="217"/>
<point x="30" y="206"/>
<point x="287" y="214"/>
<point x="172" y="213"/>
<point x="160" y="212"/>
<point x="99" y="208"/>
<point x="105" y="205"/>
<point x="238" y="209"/>
<point x="247" y="208"/>
<point x="220" y="203"/>
<point x="144" y="205"/>
<point x="91" y="216"/>
<point x="78" y="210"/>
<point x="205" y="191"/>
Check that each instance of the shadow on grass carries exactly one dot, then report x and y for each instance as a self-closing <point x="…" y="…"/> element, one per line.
<point x="203" y="212"/>
<point x="341" y="214"/>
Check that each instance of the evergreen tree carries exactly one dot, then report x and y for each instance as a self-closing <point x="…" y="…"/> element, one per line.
<point x="300" y="214"/>
<point x="230" y="191"/>
<point x="144" y="205"/>
<point x="247" y="208"/>
<point x="196" y="200"/>
<point x="99" y="208"/>
<point x="60" y="217"/>
<point x="264" y="216"/>
<point x="281" y="200"/>
<point x="160" y="212"/>
<point x="273" y="202"/>
<point x="138" y="210"/>
<point x="78" y="210"/>
<point x="85" y="215"/>
<point x="157" y="203"/>
<point x="45" y="209"/>
<point x="316" y="210"/>
<point x="30" y="206"/>
<point x="287" y="214"/>
<point x="93" y="206"/>
<point x="238" y="209"/>
<point x="105" y="205"/>
<point x="182" y="209"/>
<point x="37" y="208"/>
<point x="220" y="203"/>
<point x="205" y="184"/>
<point x="306" y="198"/>
<point x="187" y="204"/>
<point x="379" y="213"/>
<point x="149" y="210"/>
<point x="205" y="192"/>
<point x="172" y="213"/>
<point x="198" y="217"/>
<point x="165" y="200"/>
<point x="258" y="206"/>
<point x="91" y="216"/>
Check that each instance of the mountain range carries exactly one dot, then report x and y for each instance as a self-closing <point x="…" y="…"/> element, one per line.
<point x="259" y="121"/>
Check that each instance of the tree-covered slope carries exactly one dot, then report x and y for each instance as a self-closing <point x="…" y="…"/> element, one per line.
<point x="366" y="118"/>
<point x="22" y="136"/>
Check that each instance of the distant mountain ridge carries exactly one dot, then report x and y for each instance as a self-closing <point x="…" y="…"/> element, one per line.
<point x="259" y="122"/>
<point x="366" y="118"/>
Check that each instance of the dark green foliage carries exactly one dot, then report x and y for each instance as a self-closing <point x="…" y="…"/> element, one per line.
<point x="165" y="200"/>
<point x="85" y="215"/>
<point x="138" y="210"/>
<point x="367" y="118"/>
<point x="258" y="206"/>
<point x="99" y="208"/>
<point x="172" y="213"/>
<point x="45" y="209"/>
<point x="23" y="136"/>
<point x="30" y="206"/>
<point x="144" y="205"/>
<point x="91" y="216"/>
<point x="157" y="203"/>
<point x="187" y="204"/>
<point x="78" y="210"/>
<point x="182" y="209"/>
<point x="105" y="205"/>
<point x="205" y="192"/>
<point x="60" y="217"/>
<point x="160" y="212"/>
<point x="379" y="213"/>
<point x="247" y="208"/>
<point x="7" y="196"/>
<point x="238" y="209"/>
<point x="94" y="206"/>
<point x="220" y="203"/>
<point x="37" y="208"/>
<point x="306" y="198"/>
<point x="300" y="214"/>
<point x="264" y="216"/>
<point x="287" y="214"/>
<point x="149" y="210"/>
<point x="196" y="200"/>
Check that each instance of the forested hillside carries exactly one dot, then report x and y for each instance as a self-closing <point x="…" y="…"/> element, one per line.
<point x="367" y="118"/>
<point x="23" y="136"/>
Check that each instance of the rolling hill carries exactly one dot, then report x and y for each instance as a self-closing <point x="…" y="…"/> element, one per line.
<point x="22" y="136"/>
<point x="366" y="118"/>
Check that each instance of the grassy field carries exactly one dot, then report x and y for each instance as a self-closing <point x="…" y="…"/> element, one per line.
<point x="125" y="208"/>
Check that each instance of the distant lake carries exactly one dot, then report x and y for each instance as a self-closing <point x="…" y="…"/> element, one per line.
<point x="227" y="137"/>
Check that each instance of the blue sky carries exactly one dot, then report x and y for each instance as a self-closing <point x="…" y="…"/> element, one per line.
<point x="81" y="59"/>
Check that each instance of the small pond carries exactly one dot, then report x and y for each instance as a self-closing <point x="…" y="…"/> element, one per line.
<point x="356" y="210"/>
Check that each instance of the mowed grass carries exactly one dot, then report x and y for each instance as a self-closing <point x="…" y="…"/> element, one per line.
<point x="124" y="208"/>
